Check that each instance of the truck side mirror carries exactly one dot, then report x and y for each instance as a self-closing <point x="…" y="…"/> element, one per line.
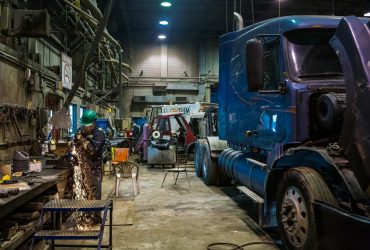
<point x="254" y="64"/>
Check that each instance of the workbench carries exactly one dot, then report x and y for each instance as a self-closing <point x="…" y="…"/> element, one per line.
<point x="43" y="181"/>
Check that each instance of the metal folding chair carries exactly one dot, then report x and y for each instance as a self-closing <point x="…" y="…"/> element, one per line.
<point x="182" y="160"/>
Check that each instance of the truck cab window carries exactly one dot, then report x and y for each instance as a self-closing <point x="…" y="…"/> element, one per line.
<point x="174" y="124"/>
<point x="155" y="123"/>
<point x="310" y="55"/>
<point x="163" y="125"/>
<point x="271" y="63"/>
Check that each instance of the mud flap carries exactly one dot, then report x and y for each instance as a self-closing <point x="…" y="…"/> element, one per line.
<point x="351" y="42"/>
<point x="340" y="230"/>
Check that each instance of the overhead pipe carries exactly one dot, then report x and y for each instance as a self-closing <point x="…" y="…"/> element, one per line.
<point x="93" y="21"/>
<point x="86" y="26"/>
<point x="238" y="21"/>
<point x="61" y="118"/>
<point x="90" y="32"/>
<point x="107" y="54"/>
<point x="94" y="9"/>
<point x="108" y="57"/>
<point x="123" y="65"/>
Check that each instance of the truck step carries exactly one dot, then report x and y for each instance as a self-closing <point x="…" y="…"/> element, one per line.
<point x="255" y="197"/>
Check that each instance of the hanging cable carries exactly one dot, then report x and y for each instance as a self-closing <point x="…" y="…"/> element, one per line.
<point x="279" y="16"/>
<point x="240" y="7"/>
<point x="226" y="16"/>
<point x="252" y="11"/>
<point x="232" y="246"/>
<point x="333" y="11"/>
<point x="233" y="18"/>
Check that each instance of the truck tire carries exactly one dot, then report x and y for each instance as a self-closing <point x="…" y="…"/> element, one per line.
<point x="210" y="170"/>
<point x="297" y="190"/>
<point x="198" y="161"/>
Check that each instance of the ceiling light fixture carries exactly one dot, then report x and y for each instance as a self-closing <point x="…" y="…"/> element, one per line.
<point x="367" y="14"/>
<point x="163" y="22"/>
<point x="166" y="4"/>
<point x="162" y="37"/>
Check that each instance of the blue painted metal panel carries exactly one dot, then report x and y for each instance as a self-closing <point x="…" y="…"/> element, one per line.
<point x="271" y="117"/>
<point x="139" y="120"/>
<point x="214" y="96"/>
<point x="102" y="123"/>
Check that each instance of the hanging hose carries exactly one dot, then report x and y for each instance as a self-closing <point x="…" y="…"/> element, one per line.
<point x="90" y="54"/>
<point x="61" y="119"/>
<point x="232" y="246"/>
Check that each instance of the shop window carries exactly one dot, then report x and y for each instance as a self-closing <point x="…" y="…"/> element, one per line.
<point x="73" y="115"/>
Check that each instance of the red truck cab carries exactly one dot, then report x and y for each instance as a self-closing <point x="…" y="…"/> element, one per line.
<point x="174" y="126"/>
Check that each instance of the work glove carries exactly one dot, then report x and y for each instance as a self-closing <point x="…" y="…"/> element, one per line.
<point x="79" y="138"/>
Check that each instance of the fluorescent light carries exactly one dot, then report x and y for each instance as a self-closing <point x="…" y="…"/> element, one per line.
<point x="166" y="4"/>
<point x="162" y="37"/>
<point x="163" y="22"/>
<point x="367" y="14"/>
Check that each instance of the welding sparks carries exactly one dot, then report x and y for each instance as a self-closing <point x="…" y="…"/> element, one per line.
<point x="79" y="186"/>
<point x="79" y="190"/>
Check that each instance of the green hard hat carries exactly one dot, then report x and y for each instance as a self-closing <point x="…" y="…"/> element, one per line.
<point x="88" y="118"/>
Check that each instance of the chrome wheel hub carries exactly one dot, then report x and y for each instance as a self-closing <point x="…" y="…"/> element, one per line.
<point x="294" y="217"/>
<point x="204" y="165"/>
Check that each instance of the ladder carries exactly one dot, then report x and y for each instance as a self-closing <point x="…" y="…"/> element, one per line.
<point x="59" y="206"/>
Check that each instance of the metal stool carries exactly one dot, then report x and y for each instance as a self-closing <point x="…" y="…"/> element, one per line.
<point x="182" y="159"/>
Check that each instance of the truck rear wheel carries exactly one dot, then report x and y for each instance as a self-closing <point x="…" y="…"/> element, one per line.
<point x="296" y="219"/>
<point x="209" y="167"/>
<point x="199" y="144"/>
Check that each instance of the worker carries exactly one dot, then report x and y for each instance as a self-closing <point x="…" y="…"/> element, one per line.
<point x="92" y="140"/>
<point x="135" y="129"/>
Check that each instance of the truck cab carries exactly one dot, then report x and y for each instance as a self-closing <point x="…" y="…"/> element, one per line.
<point x="174" y="126"/>
<point x="292" y="126"/>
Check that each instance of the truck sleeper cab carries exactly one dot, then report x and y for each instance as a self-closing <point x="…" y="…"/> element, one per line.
<point x="289" y="89"/>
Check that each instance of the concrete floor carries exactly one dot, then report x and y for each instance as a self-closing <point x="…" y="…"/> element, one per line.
<point x="182" y="217"/>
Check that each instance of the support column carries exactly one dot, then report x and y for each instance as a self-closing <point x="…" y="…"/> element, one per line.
<point x="120" y="91"/>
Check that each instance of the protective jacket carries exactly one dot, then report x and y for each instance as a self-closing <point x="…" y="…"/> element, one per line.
<point x="94" y="145"/>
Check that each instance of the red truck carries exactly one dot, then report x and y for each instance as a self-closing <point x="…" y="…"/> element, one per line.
<point x="167" y="128"/>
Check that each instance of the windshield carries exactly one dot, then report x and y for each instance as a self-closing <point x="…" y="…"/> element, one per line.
<point x="311" y="56"/>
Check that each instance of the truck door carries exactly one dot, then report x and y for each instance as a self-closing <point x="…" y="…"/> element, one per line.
<point x="164" y="127"/>
<point x="269" y="107"/>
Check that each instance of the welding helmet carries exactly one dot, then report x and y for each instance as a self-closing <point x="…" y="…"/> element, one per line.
<point x="88" y="118"/>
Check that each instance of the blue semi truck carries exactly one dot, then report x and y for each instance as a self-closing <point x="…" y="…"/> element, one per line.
<point x="294" y="127"/>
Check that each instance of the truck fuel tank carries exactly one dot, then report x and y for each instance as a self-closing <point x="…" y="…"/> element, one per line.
<point x="243" y="169"/>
